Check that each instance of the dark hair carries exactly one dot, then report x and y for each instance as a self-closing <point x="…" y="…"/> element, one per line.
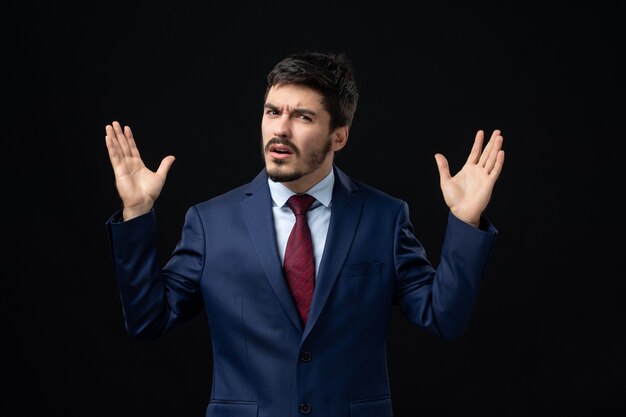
<point x="330" y="74"/>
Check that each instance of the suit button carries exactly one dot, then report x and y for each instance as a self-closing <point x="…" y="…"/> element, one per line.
<point x="306" y="357"/>
<point x="305" y="408"/>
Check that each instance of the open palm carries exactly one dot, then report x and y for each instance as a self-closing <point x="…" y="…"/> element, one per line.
<point x="138" y="186"/>
<point x="467" y="193"/>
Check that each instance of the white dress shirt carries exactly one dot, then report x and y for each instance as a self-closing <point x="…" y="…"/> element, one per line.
<point x="318" y="215"/>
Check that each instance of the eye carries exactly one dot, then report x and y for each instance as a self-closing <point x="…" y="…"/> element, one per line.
<point x="271" y="112"/>
<point x="304" y="117"/>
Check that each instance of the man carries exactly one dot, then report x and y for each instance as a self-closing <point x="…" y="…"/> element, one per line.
<point x="313" y="344"/>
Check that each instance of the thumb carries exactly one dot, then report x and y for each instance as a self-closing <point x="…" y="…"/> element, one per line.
<point x="165" y="165"/>
<point x="442" y="166"/>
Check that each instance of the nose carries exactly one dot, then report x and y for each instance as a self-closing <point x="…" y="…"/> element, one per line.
<point x="281" y="126"/>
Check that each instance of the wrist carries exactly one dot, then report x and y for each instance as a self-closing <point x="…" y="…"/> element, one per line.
<point x="471" y="220"/>
<point x="131" y="212"/>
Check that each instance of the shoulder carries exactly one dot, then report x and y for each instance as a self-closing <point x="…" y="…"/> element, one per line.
<point x="369" y="194"/>
<point x="233" y="197"/>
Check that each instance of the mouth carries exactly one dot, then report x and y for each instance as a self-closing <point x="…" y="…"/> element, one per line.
<point x="280" y="151"/>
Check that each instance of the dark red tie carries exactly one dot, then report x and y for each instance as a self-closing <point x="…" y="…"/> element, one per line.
<point x="299" y="263"/>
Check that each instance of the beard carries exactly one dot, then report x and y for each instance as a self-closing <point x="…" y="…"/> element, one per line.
<point x="314" y="159"/>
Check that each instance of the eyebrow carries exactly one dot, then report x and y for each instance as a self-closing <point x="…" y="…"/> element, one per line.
<point x="300" y="110"/>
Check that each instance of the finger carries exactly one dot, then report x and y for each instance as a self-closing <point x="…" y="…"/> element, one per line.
<point x="476" y="148"/>
<point x="443" y="167"/>
<point x="487" y="151"/>
<point x="165" y="165"/>
<point x="134" y="151"/>
<point x="493" y="153"/>
<point x="121" y="139"/>
<point x="112" y="145"/>
<point x="497" y="167"/>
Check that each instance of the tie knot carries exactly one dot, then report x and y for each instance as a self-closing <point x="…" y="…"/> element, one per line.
<point x="300" y="203"/>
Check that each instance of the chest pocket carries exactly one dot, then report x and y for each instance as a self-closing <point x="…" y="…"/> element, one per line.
<point x="355" y="271"/>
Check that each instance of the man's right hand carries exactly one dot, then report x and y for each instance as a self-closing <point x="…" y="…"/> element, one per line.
<point x="137" y="186"/>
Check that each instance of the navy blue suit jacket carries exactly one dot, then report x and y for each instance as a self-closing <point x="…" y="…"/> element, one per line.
<point x="265" y="363"/>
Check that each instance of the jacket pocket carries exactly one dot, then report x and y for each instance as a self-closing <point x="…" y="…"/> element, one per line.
<point x="219" y="408"/>
<point x="360" y="270"/>
<point x="380" y="407"/>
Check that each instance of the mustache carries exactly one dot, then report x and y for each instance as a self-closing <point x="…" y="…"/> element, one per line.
<point x="282" y="141"/>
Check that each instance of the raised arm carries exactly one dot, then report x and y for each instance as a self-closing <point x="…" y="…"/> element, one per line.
<point x="467" y="193"/>
<point x="137" y="186"/>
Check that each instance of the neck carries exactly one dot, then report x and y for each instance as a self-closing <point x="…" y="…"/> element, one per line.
<point x="307" y="182"/>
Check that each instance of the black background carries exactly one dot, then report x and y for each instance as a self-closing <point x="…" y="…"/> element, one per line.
<point x="547" y="334"/>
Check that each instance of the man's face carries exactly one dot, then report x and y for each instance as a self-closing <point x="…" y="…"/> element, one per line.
<point x="297" y="144"/>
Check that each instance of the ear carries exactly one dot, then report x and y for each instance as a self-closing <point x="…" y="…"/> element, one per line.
<point x="340" y="137"/>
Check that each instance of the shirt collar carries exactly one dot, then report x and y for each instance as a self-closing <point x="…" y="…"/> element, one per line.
<point x="322" y="191"/>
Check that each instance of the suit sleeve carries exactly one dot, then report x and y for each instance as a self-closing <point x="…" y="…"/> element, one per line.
<point x="441" y="299"/>
<point x="155" y="299"/>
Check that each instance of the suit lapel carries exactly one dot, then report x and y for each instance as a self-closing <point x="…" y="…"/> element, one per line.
<point x="257" y="210"/>
<point x="345" y="215"/>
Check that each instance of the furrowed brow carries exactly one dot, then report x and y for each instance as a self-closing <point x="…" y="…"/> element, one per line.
<point x="299" y="110"/>
<point x="308" y="112"/>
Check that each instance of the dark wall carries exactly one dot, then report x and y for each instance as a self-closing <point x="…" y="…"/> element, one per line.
<point x="547" y="332"/>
